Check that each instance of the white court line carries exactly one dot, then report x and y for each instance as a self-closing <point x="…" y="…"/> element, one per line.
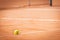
<point x="31" y="32"/>
<point x="29" y="19"/>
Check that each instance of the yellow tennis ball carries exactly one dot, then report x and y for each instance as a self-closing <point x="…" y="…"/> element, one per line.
<point x="16" y="32"/>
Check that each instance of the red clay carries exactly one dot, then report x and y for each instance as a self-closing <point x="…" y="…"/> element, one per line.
<point x="41" y="23"/>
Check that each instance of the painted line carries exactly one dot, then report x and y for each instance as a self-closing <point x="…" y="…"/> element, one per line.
<point x="29" y="19"/>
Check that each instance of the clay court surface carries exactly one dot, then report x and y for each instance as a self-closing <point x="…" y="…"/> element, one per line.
<point x="33" y="22"/>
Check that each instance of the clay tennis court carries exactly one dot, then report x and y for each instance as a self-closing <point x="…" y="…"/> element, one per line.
<point x="37" y="21"/>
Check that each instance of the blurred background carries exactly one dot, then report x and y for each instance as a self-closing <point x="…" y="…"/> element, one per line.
<point x="26" y="3"/>
<point x="30" y="29"/>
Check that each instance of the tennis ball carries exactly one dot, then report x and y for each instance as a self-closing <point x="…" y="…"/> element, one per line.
<point x="16" y="32"/>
